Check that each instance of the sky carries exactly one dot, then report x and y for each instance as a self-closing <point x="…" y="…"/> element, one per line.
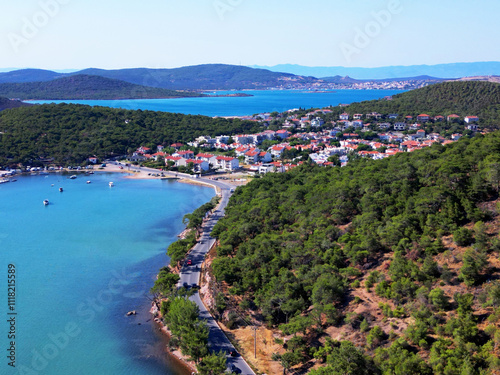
<point x="113" y="34"/>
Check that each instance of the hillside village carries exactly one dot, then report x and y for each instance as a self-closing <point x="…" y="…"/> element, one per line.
<point x="315" y="136"/>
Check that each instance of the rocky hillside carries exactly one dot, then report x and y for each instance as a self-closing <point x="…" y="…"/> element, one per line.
<point x="386" y="266"/>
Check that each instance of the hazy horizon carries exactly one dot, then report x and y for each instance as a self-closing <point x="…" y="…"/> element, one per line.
<point x="71" y="70"/>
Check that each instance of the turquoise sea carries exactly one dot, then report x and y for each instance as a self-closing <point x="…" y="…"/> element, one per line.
<point x="91" y="256"/>
<point x="82" y="263"/>
<point x="261" y="101"/>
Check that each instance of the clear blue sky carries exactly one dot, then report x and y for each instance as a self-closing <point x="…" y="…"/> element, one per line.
<point x="166" y="33"/>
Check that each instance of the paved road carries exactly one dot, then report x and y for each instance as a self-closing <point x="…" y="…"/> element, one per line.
<point x="190" y="274"/>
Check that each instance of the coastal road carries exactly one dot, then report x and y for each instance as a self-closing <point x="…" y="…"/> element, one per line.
<point x="190" y="274"/>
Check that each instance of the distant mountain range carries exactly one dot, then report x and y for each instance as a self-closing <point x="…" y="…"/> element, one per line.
<point x="143" y="83"/>
<point x="81" y="87"/>
<point x="349" y="80"/>
<point x="199" y="77"/>
<point x="456" y="70"/>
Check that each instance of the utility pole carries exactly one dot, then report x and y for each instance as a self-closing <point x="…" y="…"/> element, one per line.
<point x="255" y="341"/>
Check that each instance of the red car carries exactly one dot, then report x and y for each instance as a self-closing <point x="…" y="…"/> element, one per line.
<point x="189" y="262"/>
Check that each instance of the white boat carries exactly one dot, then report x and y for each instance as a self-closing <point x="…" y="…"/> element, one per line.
<point x="72" y="177"/>
<point x="61" y="189"/>
<point x="88" y="182"/>
<point x="46" y="202"/>
<point x="111" y="184"/>
<point x="4" y="181"/>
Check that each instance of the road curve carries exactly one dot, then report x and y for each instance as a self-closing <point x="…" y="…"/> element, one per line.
<point x="190" y="274"/>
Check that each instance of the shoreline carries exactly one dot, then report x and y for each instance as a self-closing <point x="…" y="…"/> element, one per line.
<point x="165" y="335"/>
<point x="159" y="328"/>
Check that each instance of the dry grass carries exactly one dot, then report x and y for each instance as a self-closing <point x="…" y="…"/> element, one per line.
<point x="243" y="339"/>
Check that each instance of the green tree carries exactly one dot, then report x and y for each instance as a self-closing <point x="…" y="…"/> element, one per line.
<point x="164" y="283"/>
<point x="463" y="237"/>
<point x="328" y="289"/>
<point x="399" y="360"/>
<point x="297" y="324"/>
<point x="345" y="358"/>
<point x="375" y="337"/>
<point x="430" y="268"/>
<point x="192" y="333"/>
<point x="473" y="264"/>
<point x="439" y="299"/>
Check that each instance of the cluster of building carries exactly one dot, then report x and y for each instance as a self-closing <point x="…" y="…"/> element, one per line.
<point x="378" y="150"/>
<point x="321" y="143"/>
<point x="356" y="121"/>
<point x="186" y="158"/>
<point x="353" y="84"/>
<point x="393" y="142"/>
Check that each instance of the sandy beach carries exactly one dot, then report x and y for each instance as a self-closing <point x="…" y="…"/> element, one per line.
<point x="236" y="179"/>
<point x="132" y="174"/>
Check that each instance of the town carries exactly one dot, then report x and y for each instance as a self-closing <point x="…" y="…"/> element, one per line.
<point x="297" y="136"/>
<point x="348" y="83"/>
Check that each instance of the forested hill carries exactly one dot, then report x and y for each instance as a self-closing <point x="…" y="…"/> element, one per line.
<point x="203" y="77"/>
<point x="81" y="87"/>
<point x="71" y="133"/>
<point x="29" y="75"/>
<point x="8" y="103"/>
<point x="399" y="256"/>
<point x="198" y="77"/>
<point x="462" y="98"/>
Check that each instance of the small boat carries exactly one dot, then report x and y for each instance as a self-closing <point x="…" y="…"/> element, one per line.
<point x="72" y="177"/>
<point x="61" y="189"/>
<point x="4" y="181"/>
<point x="111" y="184"/>
<point x="88" y="182"/>
<point x="46" y="202"/>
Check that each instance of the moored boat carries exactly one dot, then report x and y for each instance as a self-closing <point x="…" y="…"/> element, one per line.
<point x="111" y="184"/>
<point x="61" y="189"/>
<point x="72" y="177"/>
<point x="46" y="202"/>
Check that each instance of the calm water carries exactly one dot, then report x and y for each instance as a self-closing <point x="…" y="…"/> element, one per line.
<point x="262" y="101"/>
<point x="84" y="261"/>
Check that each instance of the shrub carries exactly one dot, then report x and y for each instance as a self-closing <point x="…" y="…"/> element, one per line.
<point x="375" y="337"/>
<point x="364" y="326"/>
<point x="438" y="299"/>
<point x="463" y="237"/>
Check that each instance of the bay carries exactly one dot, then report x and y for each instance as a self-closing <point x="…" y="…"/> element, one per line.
<point x="82" y="263"/>
<point x="261" y="101"/>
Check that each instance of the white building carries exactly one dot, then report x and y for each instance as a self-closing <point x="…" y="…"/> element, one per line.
<point x="227" y="163"/>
